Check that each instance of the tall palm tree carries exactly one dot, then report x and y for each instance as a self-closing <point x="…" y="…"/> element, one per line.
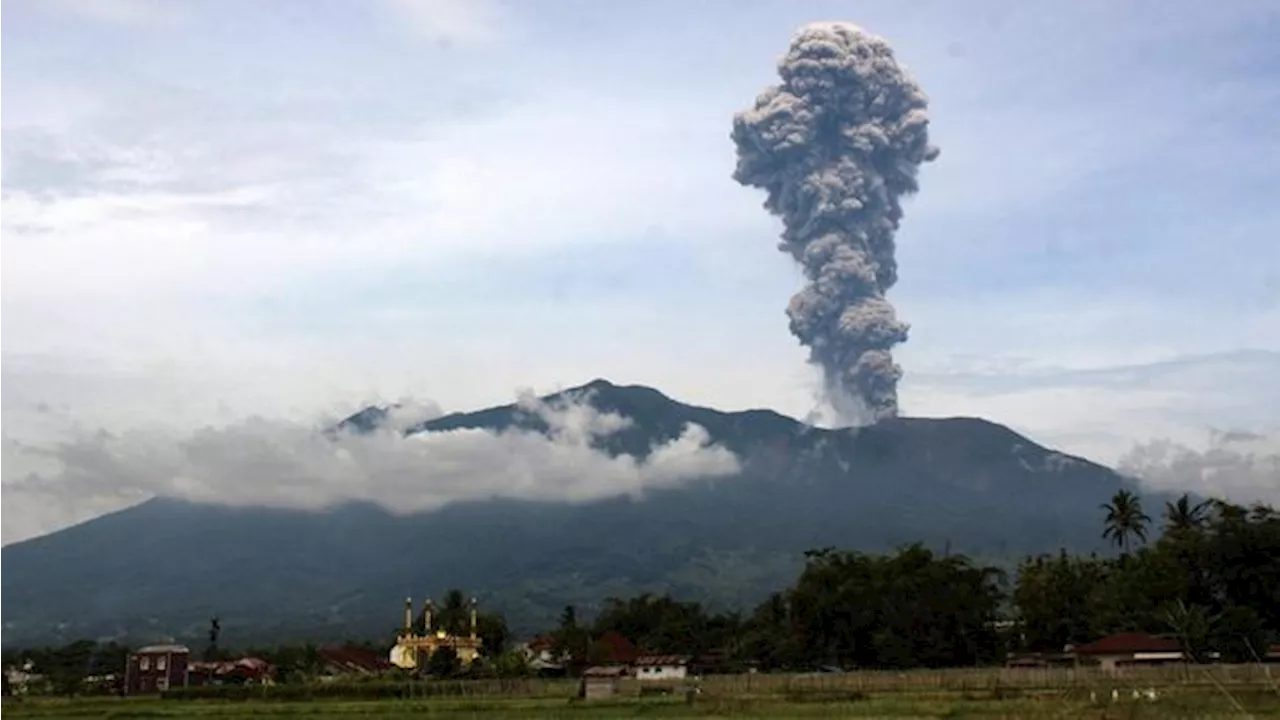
<point x="1125" y="520"/>
<point x="1184" y="515"/>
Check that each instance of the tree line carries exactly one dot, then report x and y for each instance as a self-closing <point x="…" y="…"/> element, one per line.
<point x="1210" y="576"/>
<point x="1207" y="572"/>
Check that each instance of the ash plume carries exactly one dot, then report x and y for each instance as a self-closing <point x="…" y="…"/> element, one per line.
<point x="836" y="145"/>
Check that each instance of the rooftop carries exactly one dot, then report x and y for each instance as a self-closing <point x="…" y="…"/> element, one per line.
<point x="1129" y="642"/>
<point x="157" y="649"/>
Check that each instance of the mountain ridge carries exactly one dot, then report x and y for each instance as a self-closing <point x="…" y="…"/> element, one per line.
<point x="162" y="567"/>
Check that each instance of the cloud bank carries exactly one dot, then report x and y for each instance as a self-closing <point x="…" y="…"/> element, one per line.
<point x="1242" y="467"/>
<point x="260" y="462"/>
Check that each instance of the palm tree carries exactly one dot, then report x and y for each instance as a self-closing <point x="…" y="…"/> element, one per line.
<point x="1125" y="519"/>
<point x="1183" y="515"/>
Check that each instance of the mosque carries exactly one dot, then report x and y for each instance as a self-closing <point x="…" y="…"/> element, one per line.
<point x="412" y="650"/>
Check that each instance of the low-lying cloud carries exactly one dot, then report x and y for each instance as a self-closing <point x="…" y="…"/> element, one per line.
<point x="260" y="462"/>
<point x="1242" y="467"/>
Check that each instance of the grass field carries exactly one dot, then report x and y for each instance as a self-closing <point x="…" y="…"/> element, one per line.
<point x="1222" y="692"/>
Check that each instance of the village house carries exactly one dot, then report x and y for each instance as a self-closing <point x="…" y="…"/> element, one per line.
<point x="156" y="668"/>
<point x="1128" y="649"/>
<point x="661" y="667"/>
<point x="540" y="655"/>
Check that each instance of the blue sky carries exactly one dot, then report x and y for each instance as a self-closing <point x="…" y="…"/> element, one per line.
<point x="221" y="209"/>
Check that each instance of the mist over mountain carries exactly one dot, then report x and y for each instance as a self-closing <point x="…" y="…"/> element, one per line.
<point x="727" y="537"/>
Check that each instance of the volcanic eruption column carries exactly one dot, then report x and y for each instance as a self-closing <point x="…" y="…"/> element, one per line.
<point x="836" y="145"/>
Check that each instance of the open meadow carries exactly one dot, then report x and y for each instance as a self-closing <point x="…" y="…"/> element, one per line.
<point x="1178" y="692"/>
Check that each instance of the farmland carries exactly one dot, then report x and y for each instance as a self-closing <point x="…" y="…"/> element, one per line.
<point x="1182" y="691"/>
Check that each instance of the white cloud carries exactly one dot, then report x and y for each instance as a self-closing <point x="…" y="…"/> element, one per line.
<point x="259" y="462"/>
<point x="1102" y="413"/>
<point x="452" y="21"/>
<point x="128" y="13"/>
<point x="1241" y="467"/>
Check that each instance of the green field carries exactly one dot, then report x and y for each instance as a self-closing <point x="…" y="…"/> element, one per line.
<point x="1222" y="692"/>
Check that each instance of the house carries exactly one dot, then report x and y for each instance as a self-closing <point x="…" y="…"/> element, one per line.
<point x="1130" y="648"/>
<point x="540" y="647"/>
<point x="156" y="668"/>
<point x="661" y="667"/>
<point x="601" y="681"/>
<point x="348" y="660"/>
<point x="18" y="679"/>
<point x="540" y="654"/>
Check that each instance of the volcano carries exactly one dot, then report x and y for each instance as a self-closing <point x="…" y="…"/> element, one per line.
<point x="162" y="568"/>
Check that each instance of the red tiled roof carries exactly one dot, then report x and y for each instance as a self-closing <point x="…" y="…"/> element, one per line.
<point x="1129" y="642"/>
<point x="540" y="643"/>
<point x="651" y="660"/>
<point x="619" y="649"/>
<point x="349" y="658"/>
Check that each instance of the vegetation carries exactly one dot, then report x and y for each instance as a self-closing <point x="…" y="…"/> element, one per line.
<point x="953" y="694"/>
<point x="1211" y="578"/>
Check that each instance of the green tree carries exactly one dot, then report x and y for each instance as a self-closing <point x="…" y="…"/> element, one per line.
<point x="911" y="608"/>
<point x="1055" y="598"/>
<point x="1125" y="520"/>
<point x="511" y="664"/>
<point x="1238" y="634"/>
<point x="571" y="643"/>
<point x="1184" y="515"/>
<point x="67" y="666"/>
<point x="1191" y="623"/>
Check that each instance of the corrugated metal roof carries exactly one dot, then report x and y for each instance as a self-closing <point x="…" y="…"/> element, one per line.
<point x="649" y="660"/>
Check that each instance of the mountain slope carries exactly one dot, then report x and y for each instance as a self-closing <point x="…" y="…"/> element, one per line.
<point x="163" y="567"/>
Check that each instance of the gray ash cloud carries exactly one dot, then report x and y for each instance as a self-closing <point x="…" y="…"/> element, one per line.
<point x="836" y="145"/>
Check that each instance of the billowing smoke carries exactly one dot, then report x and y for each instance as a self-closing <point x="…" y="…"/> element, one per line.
<point x="836" y="145"/>
<point x="260" y="462"/>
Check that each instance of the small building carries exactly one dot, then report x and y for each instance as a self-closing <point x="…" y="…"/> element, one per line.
<point x="412" y="649"/>
<point x="601" y="682"/>
<point x="661" y="667"/>
<point x="540" y="648"/>
<point x="156" y="668"/>
<point x="1130" y="648"/>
